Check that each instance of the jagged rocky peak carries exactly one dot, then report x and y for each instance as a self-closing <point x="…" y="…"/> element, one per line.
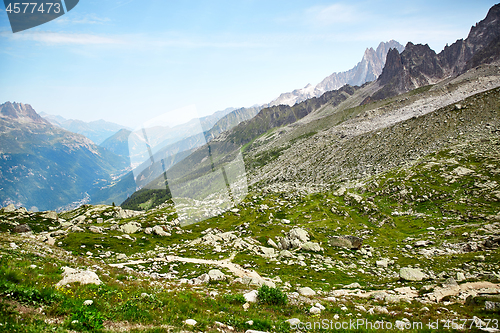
<point x="368" y="69"/>
<point x="20" y="111"/>
<point x="487" y="30"/>
<point x="418" y="65"/>
<point x="384" y="47"/>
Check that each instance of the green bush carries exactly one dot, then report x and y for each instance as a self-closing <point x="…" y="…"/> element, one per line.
<point x="235" y="299"/>
<point x="29" y="295"/>
<point x="271" y="296"/>
<point x="87" y="318"/>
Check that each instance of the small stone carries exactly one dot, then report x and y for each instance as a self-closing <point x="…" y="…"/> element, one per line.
<point x="311" y="246"/>
<point x="22" y="228"/>
<point x="306" y="291"/>
<point x="190" y="322"/>
<point x="319" y="306"/>
<point x="480" y="258"/>
<point x="354" y="285"/>
<point x="411" y="274"/>
<point x="251" y="297"/>
<point x="130" y="228"/>
<point x="314" y="310"/>
<point x="491" y="306"/>
<point x="216" y="275"/>
<point x="293" y="321"/>
<point x="382" y="263"/>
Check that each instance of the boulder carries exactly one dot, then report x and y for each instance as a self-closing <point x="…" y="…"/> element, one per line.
<point x="311" y="246"/>
<point x="96" y="230"/>
<point x="293" y="239"/>
<point x="216" y="275"/>
<point x="22" y="228"/>
<point x="268" y="252"/>
<point x="411" y="274"/>
<point x="71" y="275"/>
<point x="314" y="310"/>
<point x="299" y="234"/>
<point x="255" y="281"/>
<point x="9" y="209"/>
<point x="50" y="215"/>
<point x="251" y="297"/>
<point x="131" y="227"/>
<point x="382" y="263"/>
<point x="306" y="291"/>
<point x="348" y="242"/>
<point x="190" y="322"/>
<point x="293" y="321"/>
<point x="354" y="285"/>
<point x="158" y="230"/>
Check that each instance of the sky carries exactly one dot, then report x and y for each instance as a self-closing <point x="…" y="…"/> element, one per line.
<point x="129" y="61"/>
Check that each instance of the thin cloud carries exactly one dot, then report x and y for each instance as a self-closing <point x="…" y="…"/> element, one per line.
<point x="88" y="19"/>
<point x="62" y="38"/>
<point x="334" y="14"/>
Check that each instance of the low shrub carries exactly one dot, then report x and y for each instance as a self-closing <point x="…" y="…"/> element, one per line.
<point x="271" y="296"/>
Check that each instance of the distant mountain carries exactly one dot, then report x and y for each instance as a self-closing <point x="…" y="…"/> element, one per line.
<point x="97" y="131"/>
<point x="169" y="154"/>
<point x="118" y="143"/>
<point x="368" y="69"/>
<point x="418" y="65"/>
<point x="45" y="167"/>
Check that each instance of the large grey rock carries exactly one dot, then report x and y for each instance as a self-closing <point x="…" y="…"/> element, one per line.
<point x="354" y="285"/>
<point x="190" y="322"/>
<point x="293" y="321"/>
<point x="311" y="246"/>
<point x="491" y="306"/>
<point x="314" y="310"/>
<point x="96" y="230"/>
<point x="293" y="239"/>
<point x="298" y="233"/>
<point x="158" y="230"/>
<point x="255" y="281"/>
<point x="411" y="274"/>
<point x="348" y="242"/>
<point x="251" y="297"/>
<point x="131" y="227"/>
<point x="216" y="275"/>
<point x="382" y="263"/>
<point x="50" y="215"/>
<point x="268" y="252"/>
<point x="22" y="228"/>
<point x="71" y="275"/>
<point x="306" y="291"/>
<point x="10" y="208"/>
<point x="125" y="213"/>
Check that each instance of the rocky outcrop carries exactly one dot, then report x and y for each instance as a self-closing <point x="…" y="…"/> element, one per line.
<point x="348" y="242"/>
<point x="418" y="65"/>
<point x="293" y="239"/>
<point x="71" y="275"/>
<point x="368" y="69"/>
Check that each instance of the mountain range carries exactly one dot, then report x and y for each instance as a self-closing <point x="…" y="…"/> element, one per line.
<point x="368" y="69"/>
<point x="336" y="136"/>
<point x="97" y="131"/>
<point x="267" y="136"/>
<point x="45" y="167"/>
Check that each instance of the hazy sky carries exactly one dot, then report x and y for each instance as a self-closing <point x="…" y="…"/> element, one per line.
<point x="128" y="61"/>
